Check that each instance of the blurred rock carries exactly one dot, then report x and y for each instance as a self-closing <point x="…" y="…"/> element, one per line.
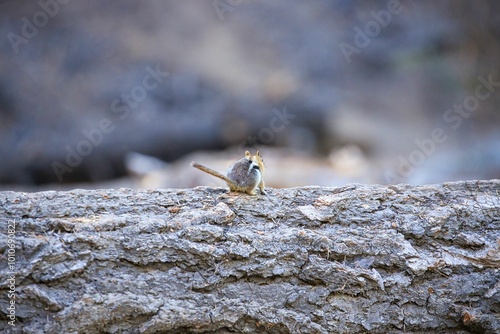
<point x="284" y="168"/>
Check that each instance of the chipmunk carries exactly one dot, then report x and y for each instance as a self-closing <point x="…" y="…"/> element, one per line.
<point x="245" y="175"/>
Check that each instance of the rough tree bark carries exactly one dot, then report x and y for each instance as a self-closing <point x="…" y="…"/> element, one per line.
<point x="356" y="259"/>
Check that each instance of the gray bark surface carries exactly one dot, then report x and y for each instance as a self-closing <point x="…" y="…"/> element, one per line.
<point x="355" y="259"/>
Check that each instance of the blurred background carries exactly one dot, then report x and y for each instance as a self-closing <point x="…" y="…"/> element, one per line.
<point x="98" y="94"/>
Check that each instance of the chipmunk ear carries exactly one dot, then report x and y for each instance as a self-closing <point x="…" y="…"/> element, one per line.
<point x="258" y="154"/>
<point x="247" y="154"/>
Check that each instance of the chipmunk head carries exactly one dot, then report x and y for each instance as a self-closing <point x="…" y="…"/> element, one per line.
<point x="260" y="161"/>
<point x="257" y="161"/>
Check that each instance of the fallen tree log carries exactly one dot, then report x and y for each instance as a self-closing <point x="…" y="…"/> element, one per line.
<point x="356" y="259"/>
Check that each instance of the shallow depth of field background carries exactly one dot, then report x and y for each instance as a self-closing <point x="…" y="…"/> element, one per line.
<point x="330" y="92"/>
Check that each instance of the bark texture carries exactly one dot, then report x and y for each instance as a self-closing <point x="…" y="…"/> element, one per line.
<point x="355" y="259"/>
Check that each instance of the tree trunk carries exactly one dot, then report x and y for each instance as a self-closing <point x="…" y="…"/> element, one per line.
<point x="356" y="259"/>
